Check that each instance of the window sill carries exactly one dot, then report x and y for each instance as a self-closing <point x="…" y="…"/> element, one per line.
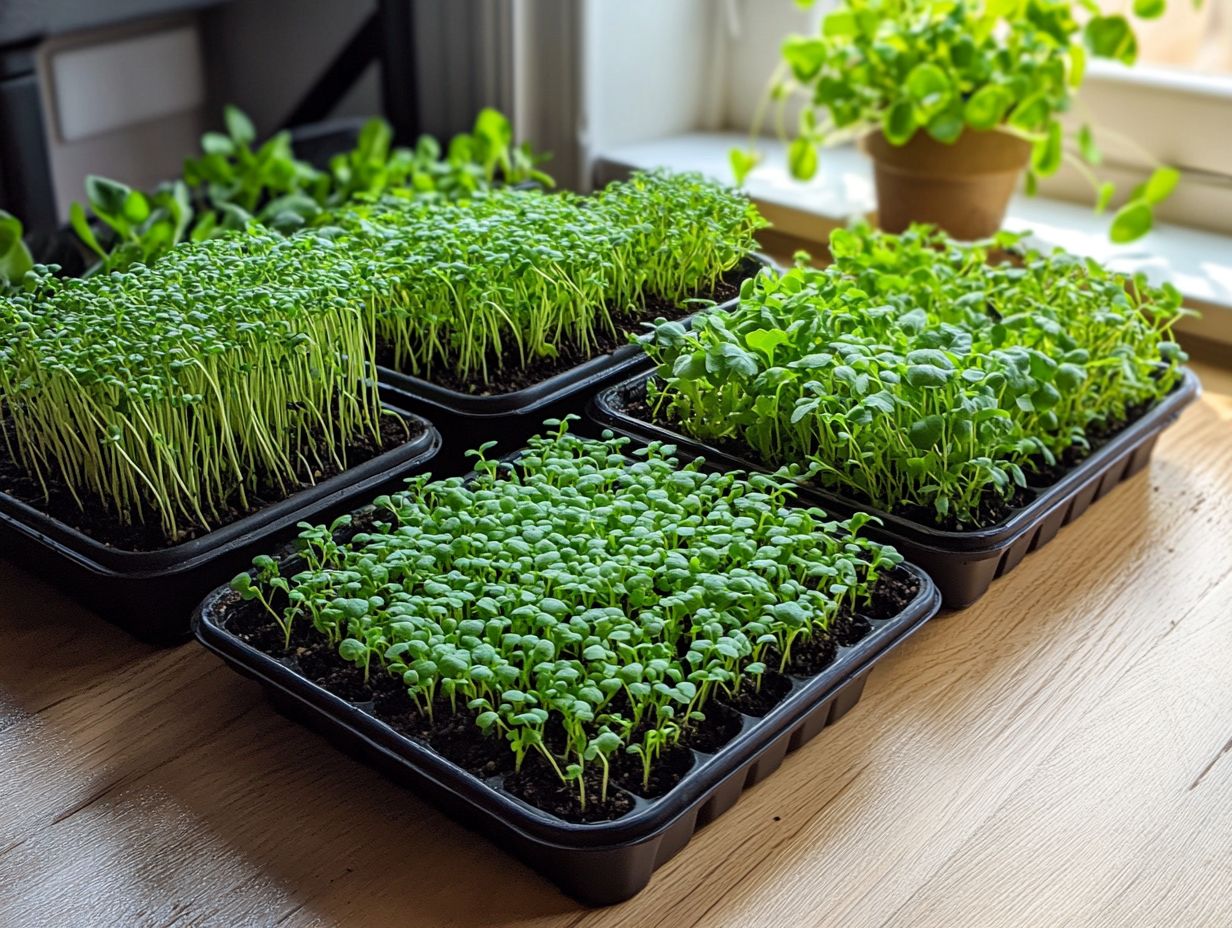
<point x="1199" y="263"/>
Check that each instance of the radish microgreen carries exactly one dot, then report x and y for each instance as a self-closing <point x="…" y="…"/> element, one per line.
<point x="587" y="600"/>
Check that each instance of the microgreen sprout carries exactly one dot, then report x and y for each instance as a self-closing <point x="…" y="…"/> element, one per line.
<point x="172" y="392"/>
<point x="586" y="601"/>
<point x="918" y="373"/>
<point x="512" y="276"/>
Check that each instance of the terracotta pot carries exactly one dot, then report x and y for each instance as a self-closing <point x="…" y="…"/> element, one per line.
<point x="962" y="188"/>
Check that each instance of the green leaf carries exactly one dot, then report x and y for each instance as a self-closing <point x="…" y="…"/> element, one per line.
<point x="927" y="375"/>
<point x="766" y="340"/>
<point x="899" y="123"/>
<point x="239" y="126"/>
<point x="1160" y="185"/>
<point x="948" y="125"/>
<point x="1104" y="196"/>
<point x="929" y="88"/>
<point x="1031" y="113"/>
<point x="136" y="207"/>
<point x="1132" y="221"/>
<point x="1047" y="153"/>
<point x="107" y="197"/>
<point x="987" y="106"/>
<point x="1086" y="146"/>
<point x="1149" y="9"/>
<point x="15" y="258"/>
<point x="742" y="162"/>
<point x="1111" y="37"/>
<point x="492" y="126"/>
<point x="804" y="55"/>
<point x="926" y="432"/>
<point x="802" y="158"/>
<point x="81" y="225"/>
<point x="215" y="143"/>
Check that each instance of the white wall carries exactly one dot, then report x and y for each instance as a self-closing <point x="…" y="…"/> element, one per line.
<point x="753" y="37"/>
<point x="633" y="51"/>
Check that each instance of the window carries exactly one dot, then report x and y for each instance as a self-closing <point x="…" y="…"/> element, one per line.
<point x="677" y="82"/>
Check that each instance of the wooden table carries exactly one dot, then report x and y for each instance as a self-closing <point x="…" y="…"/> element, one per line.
<point x="1058" y="754"/>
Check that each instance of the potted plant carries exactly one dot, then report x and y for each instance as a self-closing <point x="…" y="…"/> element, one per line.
<point x="161" y="423"/>
<point x="585" y="651"/>
<point x="954" y="100"/>
<point x="975" y="407"/>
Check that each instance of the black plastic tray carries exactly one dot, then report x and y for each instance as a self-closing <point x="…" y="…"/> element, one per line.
<point x="152" y="593"/>
<point x="963" y="564"/>
<point x="605" y="862"/>
<point x="532" y="404"/>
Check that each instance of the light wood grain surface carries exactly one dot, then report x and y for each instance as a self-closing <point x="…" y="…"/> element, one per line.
<point x="1059" y="754"/>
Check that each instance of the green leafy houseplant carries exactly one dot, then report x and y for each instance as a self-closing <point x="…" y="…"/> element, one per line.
<point x="235" y="181"/>
<point x="915" y="376"/>
<point x="946" y="75"/>
<point x="577" y="605"/>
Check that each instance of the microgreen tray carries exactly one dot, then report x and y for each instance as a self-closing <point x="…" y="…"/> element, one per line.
<point x="598" y="863"/>
<point x="152" y="593"/>
<point x="548" y="396"/>
<point x="963" y="564"/>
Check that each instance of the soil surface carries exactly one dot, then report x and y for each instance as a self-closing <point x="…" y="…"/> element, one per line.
<point x="94" y="519"/>
<point x="504" y="376"/>
<point x="992" y="508"/>
<point x="451" y="730"/>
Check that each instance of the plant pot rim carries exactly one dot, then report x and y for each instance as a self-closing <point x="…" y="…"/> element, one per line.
<point x="974" y="153"/>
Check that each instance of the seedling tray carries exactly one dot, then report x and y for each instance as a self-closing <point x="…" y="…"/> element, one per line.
<point x="152" y="593"/>
<point x="963" y="564"/>
<point x="530" y="405"/>
<point x="605" y="862"/>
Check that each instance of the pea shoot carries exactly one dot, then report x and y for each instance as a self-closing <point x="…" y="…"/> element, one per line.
<point x="919" y="374"/>
<point x="585" y="601"/>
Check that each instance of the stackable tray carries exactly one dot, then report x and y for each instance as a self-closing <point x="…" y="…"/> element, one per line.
<point x="605" y="862"/>
<point x="963" y="564"/>
<point x="151" y="594"/>
<point x="513" y="417"/>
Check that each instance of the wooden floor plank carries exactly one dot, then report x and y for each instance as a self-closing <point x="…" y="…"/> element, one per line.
<point x="1059" y="754"/>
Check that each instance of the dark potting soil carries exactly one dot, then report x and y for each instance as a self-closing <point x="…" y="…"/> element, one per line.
<point x="991" y="509"/>
<point x="505" y="377"/>
<point x="451" y="730"/>
<point x="538" y="784"/>
<point x="756" y="700"/>
<point x="94" y="519"/>
<point x="668" y="770"/>
<point x="722" y="724"/>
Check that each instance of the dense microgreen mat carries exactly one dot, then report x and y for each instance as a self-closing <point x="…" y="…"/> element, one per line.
<point x="174" y="391"/>
<point x="586" y="600"/>
<point x="513" y="276"/>
<point x="919" y="374"/>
